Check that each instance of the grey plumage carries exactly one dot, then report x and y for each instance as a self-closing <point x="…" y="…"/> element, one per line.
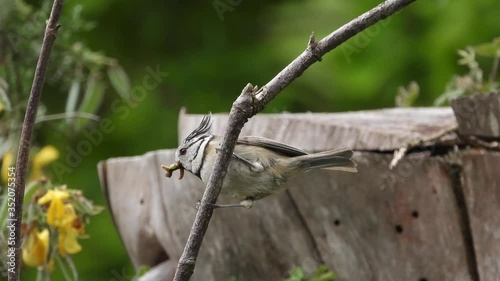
<point x="339" y="159"/>
<point x="259" y="167"/>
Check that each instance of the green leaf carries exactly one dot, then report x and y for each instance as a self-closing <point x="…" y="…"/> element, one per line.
<point x="92" y="99"/>
<point x="447" y="96"/>
<point x="143" y="269"/>
<point x="296" y="274"/>
<point x="31" y="188"/>
<point x="467" y="57"/>
<point x="323" y="274"/>
<point x="406" y="97"/>
<point x="119" y="80"/>
<point x="73" y="94"/>
<point x="490" y="49"/>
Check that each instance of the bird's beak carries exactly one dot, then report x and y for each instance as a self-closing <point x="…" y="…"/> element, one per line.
<point x="173" y="167"/>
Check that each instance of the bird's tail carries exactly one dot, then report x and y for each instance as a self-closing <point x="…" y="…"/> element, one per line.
<point x="339" y="159"/>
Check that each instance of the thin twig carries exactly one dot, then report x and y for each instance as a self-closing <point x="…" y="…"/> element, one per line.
<point x="249" y="103"/>
<point x="53" y="117"/>
<point x="477" y="142"/>
<point x="27" y="129"/>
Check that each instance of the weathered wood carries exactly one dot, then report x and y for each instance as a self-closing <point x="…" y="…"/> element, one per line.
<point x="374" y="130"/>
<point x="386" y="225"/>
<point x="481" y="185"/>
<point x="478" y="115"/>
<point x="402" y="224"/>
<point x="130" y="186"/>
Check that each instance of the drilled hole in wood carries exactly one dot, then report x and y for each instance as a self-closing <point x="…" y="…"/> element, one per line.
<point x="399" y="228"/>
<point x="141" y="201"/>
<point x="336" y="222"/>
<point x="422" y="279"/>
<point x="415" y="214"/>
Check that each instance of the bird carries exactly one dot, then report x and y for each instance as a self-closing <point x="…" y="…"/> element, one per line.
<point x="259" y="167"/>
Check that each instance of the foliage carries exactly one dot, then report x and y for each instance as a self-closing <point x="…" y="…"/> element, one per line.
<point x="73" y="68"/>
<point x="321" y="274"/>
<point x="211" y="62"/>
<point x="54" y="216"/>
<point x="471" y="83"/>
<point x="406" y="97"/>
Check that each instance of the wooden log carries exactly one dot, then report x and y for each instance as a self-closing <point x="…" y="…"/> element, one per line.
<point x="130" y="186"/>
<point x="481" y="185"/>
<point x="408" y="223"/>
<point x="388" y="225"/>
<point x="375" y="225"/>
<point x="478" y="115"/>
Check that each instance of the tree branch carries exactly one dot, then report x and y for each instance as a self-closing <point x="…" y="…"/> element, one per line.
<point x="27" y="130"/>
<point x="250" y="102"/>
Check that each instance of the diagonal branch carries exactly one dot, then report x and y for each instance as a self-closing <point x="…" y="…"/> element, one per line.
<point x="250" y="102"/>
<point x="27" y="130"/>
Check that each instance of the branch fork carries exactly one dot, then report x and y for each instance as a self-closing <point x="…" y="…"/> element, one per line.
<point x="250" y="102"/>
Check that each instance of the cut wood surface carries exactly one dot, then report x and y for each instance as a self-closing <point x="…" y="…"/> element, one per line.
<point x="478" y="115"/>
<point x="379" y="224"/>
<point x="374" y="130"/>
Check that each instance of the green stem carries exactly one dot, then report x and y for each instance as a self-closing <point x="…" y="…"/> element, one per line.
<point x="40" y="274"/>
<point x="62" y="266"/>
<point x="72" y="266"/>
<point x="67" y="115"/>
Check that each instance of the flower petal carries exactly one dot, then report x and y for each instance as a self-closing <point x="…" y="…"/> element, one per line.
<point x="53" y="194"/>
<point x="7" y="161"/>
<point x="36" y="248"/>
<point x="68" y="243"/>
<point x="56" y="213"/>
<point x="45" y="156"/>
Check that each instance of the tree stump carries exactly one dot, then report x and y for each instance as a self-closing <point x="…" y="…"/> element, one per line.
<point x="432" y="217"/>
<point x="478" y="115"/>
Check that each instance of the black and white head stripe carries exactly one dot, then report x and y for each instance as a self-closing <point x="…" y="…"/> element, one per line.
<point x="203" y="129"/>
<point x="194" y="145"/>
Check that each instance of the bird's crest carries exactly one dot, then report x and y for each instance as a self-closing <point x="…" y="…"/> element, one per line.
<point x="203" y="129"/>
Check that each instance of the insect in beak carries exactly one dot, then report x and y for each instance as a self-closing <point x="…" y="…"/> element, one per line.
<point x="173" y="167"/>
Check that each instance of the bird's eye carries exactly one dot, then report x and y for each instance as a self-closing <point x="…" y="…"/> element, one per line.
<point x="182" y="151"/>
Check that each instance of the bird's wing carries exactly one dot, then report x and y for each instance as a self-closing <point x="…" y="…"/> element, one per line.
<point x="273" y="145"/>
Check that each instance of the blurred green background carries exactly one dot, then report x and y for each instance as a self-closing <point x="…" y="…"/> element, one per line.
<point x="211" y="55"/>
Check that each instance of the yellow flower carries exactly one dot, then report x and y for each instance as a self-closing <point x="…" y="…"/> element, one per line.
<point x="7" y="161"/>
<point x="44" y="157"/>
<point x="36" y="248"/>
<point x="68" y="243"/>
<point x="69" y="231"/>
<point x="56" y="214"/>
<point x="64" y="218"/>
